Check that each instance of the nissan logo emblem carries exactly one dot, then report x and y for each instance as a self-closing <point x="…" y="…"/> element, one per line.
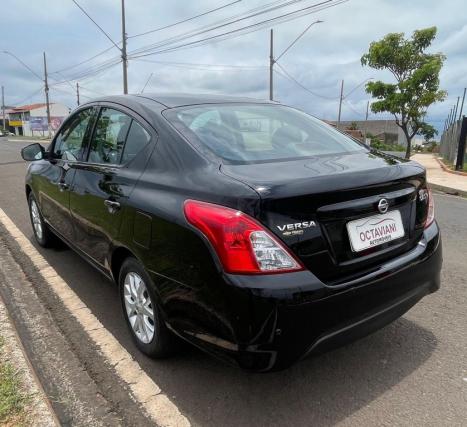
<point x="383" y="206"/>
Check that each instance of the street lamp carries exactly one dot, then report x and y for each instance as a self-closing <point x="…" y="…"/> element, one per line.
<point x="273" y="60"/>
<point x="23" y="64"/>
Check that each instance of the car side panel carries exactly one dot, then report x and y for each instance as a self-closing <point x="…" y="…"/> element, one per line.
<point x="44" y="178"/>
<point x="184" y="269"/>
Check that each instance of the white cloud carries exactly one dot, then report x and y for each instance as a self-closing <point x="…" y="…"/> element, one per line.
<point x="328" y="53"/>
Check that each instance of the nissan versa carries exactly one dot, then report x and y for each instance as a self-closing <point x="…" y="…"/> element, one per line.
<point x="254" y="231"/>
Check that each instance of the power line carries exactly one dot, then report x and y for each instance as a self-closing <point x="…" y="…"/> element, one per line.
<point x="200" y="66"/>
<point x="24" y="64"/>
<point x="185" y="20"/>
<point x="92" y="90"/>
<point x="92" y="71"/>
<point x="168" y="26"/>
<point x="356" y="87"/>
<point x="353" y="109"/>
<point x="29" y="96"/>
<point x="219" y="24"/>
<point x="247" y="29"/>
<point x="84" y="61"/>
<point x="293" y="79"/>
<point x="262" y="9"/>
<point x="96" y="24"/>
<point x="69" y="93"/>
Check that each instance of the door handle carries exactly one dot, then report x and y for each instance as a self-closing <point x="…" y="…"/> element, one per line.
<point x="63" y="186"/>
<point x="112" y="206"/>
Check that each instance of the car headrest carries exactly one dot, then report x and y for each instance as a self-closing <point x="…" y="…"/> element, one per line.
<point x="286" y="135"/>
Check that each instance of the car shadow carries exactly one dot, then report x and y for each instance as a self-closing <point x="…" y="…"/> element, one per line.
<point x="317" y="391"/>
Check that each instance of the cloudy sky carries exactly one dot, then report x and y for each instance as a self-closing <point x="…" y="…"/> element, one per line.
<point x="328" y="53"/>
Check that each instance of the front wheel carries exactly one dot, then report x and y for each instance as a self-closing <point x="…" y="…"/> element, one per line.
<point x="142" y="313"/>
<point x="42" y="232"/>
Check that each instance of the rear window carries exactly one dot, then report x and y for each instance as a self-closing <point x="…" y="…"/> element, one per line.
<point x="252" y="133"/>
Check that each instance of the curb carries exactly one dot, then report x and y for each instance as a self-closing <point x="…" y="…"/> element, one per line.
<point x="40" y="407"/>
<point x="448" y="190"/>
<point x="74" y="396"/>
<point x="446" y="169"/>
<point x="112" y="388"/>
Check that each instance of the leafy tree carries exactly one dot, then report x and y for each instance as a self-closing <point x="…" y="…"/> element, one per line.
<point x="428" y="132"/>
<point x="417" y="80"/>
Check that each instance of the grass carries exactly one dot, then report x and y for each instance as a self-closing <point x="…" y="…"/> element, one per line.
<point x="451" y="166"/>
<point x="13" y="400"/>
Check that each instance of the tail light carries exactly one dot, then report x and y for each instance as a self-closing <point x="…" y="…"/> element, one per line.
<point x="431" y="210"/>
<point x="242" y="244"/>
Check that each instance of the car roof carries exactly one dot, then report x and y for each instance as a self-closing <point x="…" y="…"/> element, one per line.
<point x="172" y="100"/>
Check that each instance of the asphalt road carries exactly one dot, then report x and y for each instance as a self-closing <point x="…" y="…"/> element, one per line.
<point x="413" y="372"/>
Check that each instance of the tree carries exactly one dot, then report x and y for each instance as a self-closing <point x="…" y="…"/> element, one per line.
<point x="417" y="79"/>
<point x="428" y="132"/>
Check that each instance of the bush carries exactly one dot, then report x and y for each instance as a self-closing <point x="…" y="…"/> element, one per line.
<point x="378" y="145"/>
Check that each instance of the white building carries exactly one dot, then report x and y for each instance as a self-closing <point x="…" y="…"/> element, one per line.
<point x="30" y="120"/>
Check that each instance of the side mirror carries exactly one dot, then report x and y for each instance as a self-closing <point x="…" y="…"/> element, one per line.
<point x="33" y="152"/>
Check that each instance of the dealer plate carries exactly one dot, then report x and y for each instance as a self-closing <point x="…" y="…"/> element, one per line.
<point x="375" y="230"/>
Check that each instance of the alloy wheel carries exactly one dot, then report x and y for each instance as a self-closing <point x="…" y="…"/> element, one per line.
<point x="139" y="307"/>
<point x="36" y="220"/>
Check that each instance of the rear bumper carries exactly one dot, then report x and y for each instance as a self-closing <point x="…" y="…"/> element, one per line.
<point x="293" y="315"/>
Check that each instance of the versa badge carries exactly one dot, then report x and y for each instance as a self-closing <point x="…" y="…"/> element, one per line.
<point x="295" y="228"/>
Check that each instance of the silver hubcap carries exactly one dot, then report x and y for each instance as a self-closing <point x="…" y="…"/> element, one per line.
<point x="139" y="307"/>
<point x="36" y="220"/>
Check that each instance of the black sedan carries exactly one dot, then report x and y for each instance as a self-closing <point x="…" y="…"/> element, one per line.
<point x="252" y="230"/>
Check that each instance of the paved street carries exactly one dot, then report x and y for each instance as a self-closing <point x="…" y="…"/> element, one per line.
<point x="413" y="372"/>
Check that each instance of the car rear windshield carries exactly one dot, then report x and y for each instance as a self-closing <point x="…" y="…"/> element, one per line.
<point x="253" y="133"/>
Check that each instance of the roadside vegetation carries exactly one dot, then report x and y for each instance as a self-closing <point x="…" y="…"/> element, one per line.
<point x="451" y="166"/>
<point x="386" y="147"/>
<point x="13" y="399"/>
<point x="415" y="85"/>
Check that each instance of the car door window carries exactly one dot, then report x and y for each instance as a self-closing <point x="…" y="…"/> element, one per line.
<point x="109" y="137"/>
<point x="136" y="140"/>
<point x="70" y="141"/>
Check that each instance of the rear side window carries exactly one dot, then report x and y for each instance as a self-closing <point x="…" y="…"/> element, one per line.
<point x="109" y="137"/>
<point x="70" y="141"/>
<point x="136" y="140"/>
<point x="251" y="133"/>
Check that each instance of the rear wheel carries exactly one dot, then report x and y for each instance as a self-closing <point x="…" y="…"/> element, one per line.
<point x="42" y="232"/>
<point x="142" y="313"/>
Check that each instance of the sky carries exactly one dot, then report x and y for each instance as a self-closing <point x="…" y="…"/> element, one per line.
<point x="328" y="53"/>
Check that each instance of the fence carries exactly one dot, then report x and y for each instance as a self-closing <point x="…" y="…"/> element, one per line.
<point x="453" y="143"/>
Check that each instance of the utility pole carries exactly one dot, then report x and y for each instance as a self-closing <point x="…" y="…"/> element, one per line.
<point x="457" y="106"/>
<point x="366" y="121"/>
<point x="3" y="108"/>
<point x="273" y="60"/>
<point x="124" y="56"/>
<point x="77" y="93"/>
<point x="271" y="66"/>
<point x="462" y="104"/>
<point x="46" y="88"/>
<point x="340" y="104"/>
<point x="449" y="118"/>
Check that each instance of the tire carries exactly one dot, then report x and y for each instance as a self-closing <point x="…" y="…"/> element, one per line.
<point x="151" y="335"/>
<point x="44" y="237"/>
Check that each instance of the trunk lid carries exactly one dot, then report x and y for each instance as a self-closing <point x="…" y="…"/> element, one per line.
<point x="307" y="203"/>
